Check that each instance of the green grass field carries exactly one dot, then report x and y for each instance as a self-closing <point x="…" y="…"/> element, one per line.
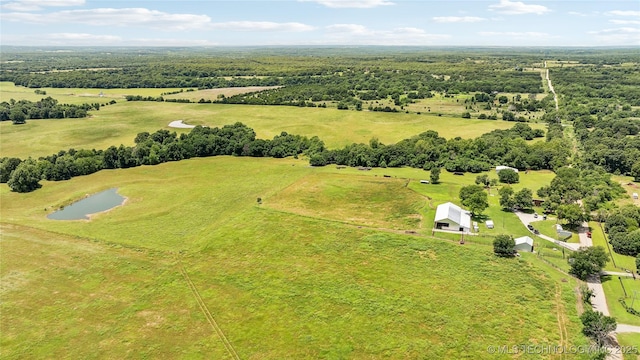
<point x="613" y="288"/>
<point x="9" y="90"/>
<point x="630" y="340"/>
<point x="119" y="123"/>
<point x="282" y="279"/>
<point x="619" y="262"/>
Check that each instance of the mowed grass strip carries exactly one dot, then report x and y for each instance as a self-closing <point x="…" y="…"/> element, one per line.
<point x="119" y="123"/>
<point x="614" y="288"/>
<point x="361" y="200"/>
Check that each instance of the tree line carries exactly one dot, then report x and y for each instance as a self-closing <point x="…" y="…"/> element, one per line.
<point x="151" y="149"/>
<point x="48" y="108"/>
<point x="428" y="150"/>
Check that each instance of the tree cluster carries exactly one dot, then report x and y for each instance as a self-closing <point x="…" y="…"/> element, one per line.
<point x="623" y="229"/>
<point x="428" y="150"/>
<point x="594" y="186"/>
<point x="48" y="108"/>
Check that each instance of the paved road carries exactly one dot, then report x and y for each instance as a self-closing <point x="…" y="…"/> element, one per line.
<point x="529" y="218"/>
<point x="624" y="328"/>
<point x="615" y="273"/>
<point x="599" y="301"/>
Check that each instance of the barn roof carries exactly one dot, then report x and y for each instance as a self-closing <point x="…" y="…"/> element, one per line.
<point x="523" y="240"/>
<point x="451" y="211"/>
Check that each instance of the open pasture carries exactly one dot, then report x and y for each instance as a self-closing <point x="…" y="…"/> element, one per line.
<point x="9" y="90"/>
<point x="387" y="202"/>
<point x="279" y="285"/>
<point x="119" y="123"/>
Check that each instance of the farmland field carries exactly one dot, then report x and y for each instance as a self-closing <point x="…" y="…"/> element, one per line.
<point x="278" y="284"/>
<point x="228" y="247"/>
<point x="119" y="123"/>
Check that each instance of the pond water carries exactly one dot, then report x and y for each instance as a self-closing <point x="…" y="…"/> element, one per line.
<point x="96" y="203"/>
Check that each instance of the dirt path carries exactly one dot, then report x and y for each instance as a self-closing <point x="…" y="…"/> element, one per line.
<point x="207" y="314"/>
<point x="562" y="320"/>
<point x="555" y="97"/>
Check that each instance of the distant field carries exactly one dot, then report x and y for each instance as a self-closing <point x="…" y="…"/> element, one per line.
<point x="279" y="284"/>
<point x="9" y="90"/>
<point x="213" y="94"/>
<point x="118" y="124"/>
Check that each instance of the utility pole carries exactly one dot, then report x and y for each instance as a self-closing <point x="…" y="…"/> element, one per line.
<point x="608" y="247"/>
<point x="623" y="289"/>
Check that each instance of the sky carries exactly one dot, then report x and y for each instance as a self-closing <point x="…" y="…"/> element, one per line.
<point x="319" y="22"/>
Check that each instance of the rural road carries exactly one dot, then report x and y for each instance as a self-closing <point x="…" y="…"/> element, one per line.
<point x="555" y="97"/>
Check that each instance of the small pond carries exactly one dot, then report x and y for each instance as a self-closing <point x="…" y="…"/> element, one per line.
<point x="96" y="203"/>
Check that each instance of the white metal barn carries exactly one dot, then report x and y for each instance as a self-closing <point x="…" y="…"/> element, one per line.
<point x="524" y="243"/>
<point x="450" y="216"/>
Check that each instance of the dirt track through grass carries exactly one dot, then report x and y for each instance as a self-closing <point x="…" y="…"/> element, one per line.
<point x="207" y="314"/>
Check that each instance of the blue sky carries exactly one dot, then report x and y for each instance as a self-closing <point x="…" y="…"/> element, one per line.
<point x="319" y="22"/>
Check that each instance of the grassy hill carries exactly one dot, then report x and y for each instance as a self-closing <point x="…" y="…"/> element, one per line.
<point x="320" y="269"/>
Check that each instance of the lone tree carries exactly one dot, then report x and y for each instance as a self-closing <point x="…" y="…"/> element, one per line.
<point x="483" y="180"/>
<point x="503" y="245"/>
<point x="523" y="199"/>
<point x="508" y="176"/>
<point x="572" y="213"/>
<point x="474" y="198"/>
<point x="597" y="326"/>
<point x="435" y="175"/>
<point x="506" y="198"/>
<point x="635" y="171"/>
<point x="587" y="261"/>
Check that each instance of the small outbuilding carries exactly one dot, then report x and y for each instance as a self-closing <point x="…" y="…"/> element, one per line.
<point x="524" y="243"/>
<point x="500" y="168"/>
<point x="489" y="224"/>
<point x="562" y="234"/>
<point x="450" y="216"/>
<point x="635" y="196"/>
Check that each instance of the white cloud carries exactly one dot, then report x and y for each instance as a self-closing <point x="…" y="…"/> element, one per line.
<point x="354" y="34"/>
<point x="517" y="34"/>
<point x="623" y="13"/>
<point x="624" y="22"/>
<point x="518" y="8"/>
<point x="457" y="19"/>
<point x="617" y="36"/>
<point x="359" y="4"/>
<point x="35" y="5"/>
<point x="351" y="29"/>
<point x="81" y="39"/>
<point x="82" y="36"/>
<point x="115" y="17"/>
<point x="262" y="26"/>
<point x="577" y="13"/>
